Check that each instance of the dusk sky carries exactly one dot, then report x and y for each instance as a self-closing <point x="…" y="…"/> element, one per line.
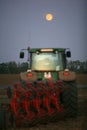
<point x="23" y="24"/>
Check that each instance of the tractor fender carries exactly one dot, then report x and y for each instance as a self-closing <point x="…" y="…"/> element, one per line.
<point x="70" y="77"/>
<point x="25" y="77"/>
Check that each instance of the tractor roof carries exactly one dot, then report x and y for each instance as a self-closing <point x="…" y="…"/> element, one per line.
<point x="46" y="49"/>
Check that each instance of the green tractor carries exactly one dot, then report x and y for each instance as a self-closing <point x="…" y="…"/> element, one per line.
<point x="47" y="90"/>
<point x="51" y="85"/>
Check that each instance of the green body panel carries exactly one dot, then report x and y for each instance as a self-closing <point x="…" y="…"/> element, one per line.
<point x="55" y="76"/>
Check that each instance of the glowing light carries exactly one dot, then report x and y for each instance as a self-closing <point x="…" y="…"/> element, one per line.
<point x="46" y="49"/>
<point x="29" y="74"/>
<point x="66" y="72"/>
<point x="49" y="17"/>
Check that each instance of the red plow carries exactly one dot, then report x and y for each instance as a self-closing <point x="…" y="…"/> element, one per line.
<point x="36" y="102"/>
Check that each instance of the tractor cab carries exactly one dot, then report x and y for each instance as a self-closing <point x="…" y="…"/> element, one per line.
<point x="45" y="61"/>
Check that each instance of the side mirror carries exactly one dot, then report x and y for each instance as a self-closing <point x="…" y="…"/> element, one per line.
<point x="21" y="54"/>
<point x="68" y="54"/>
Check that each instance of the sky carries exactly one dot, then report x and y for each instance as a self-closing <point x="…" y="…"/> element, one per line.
<point x="23" y="24"/>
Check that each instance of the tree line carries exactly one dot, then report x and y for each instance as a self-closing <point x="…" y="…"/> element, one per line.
<point x="15" y="68"/>
<point x="77" y="66"/>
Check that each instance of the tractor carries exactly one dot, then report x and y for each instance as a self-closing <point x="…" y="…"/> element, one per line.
<point x="47" y="90"/>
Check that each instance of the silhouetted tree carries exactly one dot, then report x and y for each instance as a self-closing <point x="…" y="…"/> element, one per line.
<point x="78" y="66"/>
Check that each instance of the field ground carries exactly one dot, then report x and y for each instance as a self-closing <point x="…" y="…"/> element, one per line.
<point x="79" y="123"/>
<point x="10" y="79"/>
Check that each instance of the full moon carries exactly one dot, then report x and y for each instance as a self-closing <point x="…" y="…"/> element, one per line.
<point x="49" y="17"/>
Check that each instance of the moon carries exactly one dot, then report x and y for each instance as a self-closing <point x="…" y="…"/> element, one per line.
<point x="49" y="17"/>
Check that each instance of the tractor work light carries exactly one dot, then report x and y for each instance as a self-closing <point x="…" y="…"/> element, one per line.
<point x="29" y="74"/>
<point x="46" y="50"/>
<point x="66" y="72"/>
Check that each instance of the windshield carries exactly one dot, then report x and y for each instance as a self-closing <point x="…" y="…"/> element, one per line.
<point x="47" y="62"/>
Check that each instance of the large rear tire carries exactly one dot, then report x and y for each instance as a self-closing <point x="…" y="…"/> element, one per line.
<point x="70" y="99"/>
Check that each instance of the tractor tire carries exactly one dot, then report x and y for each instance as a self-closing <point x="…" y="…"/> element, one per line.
<point x="2" y="120"/>
<point x="70" y="99"/>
